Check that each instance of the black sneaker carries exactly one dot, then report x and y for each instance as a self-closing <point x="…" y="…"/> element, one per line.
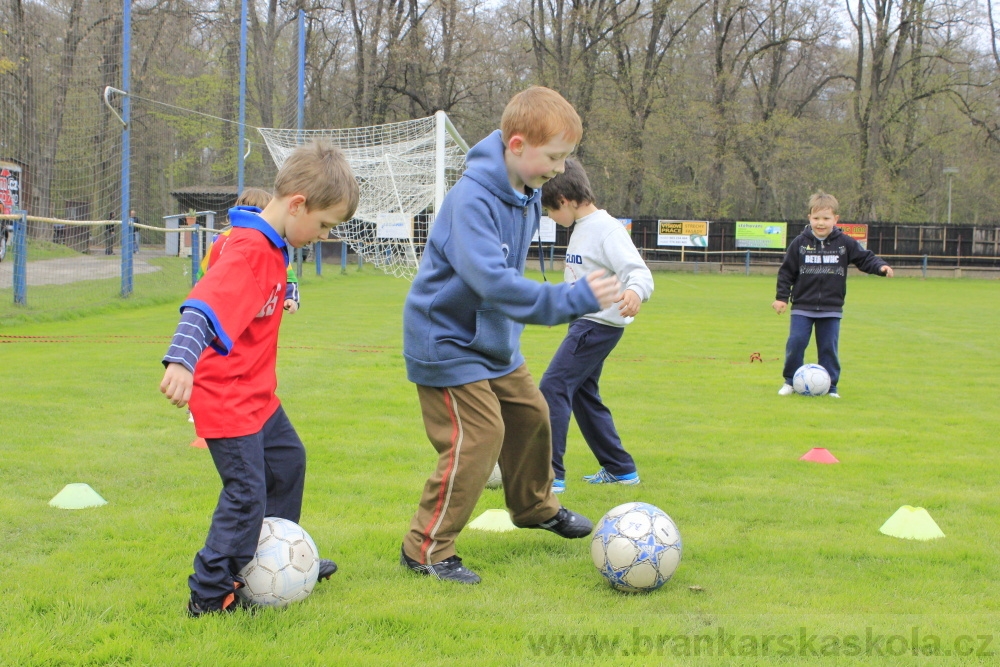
<point x="197" y="607"/>
<point x="450" y="568"/>
<point x="326" y="569"/>
<point x="567" y="523"/>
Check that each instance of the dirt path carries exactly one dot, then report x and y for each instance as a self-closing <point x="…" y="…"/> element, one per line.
<point x="74" y="269"/>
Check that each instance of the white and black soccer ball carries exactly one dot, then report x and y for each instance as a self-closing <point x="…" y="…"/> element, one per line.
<point x="637" y="547"/>
<point x="285" y="567"/>
<point x="496" y="479"/>
<point x="811" y="380"/>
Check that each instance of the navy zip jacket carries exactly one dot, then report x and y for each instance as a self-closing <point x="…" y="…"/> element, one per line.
<point x="814" y="273"/>
<point x="469" y="301"/>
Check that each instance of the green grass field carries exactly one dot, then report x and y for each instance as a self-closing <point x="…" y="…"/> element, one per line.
<point x="783" y="560"/>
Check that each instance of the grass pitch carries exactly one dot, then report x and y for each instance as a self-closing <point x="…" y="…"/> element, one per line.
<point x="783" y="562"/>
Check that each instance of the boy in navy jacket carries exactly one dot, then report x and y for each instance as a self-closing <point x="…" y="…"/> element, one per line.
<point x="814" y="276"/>
<point x="462" y="324"/>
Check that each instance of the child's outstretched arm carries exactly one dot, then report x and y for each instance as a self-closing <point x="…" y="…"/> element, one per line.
<point x="867" y="261"/>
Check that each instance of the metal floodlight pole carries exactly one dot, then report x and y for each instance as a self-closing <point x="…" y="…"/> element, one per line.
<point x="301" y="105"/>
<point x="243" y="97"/>
<point x="300" y="115"/>
<point x="127" y="240"/>
<point x="949" y="171"/>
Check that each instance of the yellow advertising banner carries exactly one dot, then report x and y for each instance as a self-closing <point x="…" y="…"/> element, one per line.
<point x="684" y="233"/>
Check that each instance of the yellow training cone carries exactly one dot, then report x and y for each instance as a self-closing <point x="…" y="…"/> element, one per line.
<point x="911" y="523"/>
<point x="77" y="496"/>
<point x="497" y="521"/>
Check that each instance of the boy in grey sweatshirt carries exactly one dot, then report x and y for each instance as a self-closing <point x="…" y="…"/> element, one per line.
<point x="570" y="384"/>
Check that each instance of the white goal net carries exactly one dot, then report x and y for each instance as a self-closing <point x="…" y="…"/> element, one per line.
<point x="403" y="169"/>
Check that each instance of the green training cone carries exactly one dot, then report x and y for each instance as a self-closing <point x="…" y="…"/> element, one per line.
<point x="497" y="521"/>
<point x="911" y="523"/>
<point x="77" y="496"/>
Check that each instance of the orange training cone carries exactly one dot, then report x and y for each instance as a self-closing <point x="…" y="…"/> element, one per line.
<point x="199" y="443"/>
<point x="819" y="455"/>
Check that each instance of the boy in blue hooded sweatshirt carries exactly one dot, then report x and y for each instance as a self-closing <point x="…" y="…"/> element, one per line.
<point x="462" y="324"/>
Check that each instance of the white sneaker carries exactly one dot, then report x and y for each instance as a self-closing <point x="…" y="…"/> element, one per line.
<point x="786" y="390"/>
<point x="834" y="394"/>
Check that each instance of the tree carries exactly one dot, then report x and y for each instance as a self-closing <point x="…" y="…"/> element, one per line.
<point x="788" y="68"/>
<point x="379" y="30"/>
<point x="567" y="38"/>
<point x="442" y="68"/>
<point x="639" y="49"/>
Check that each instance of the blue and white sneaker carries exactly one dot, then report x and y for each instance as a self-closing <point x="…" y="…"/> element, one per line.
<point x="558" y="485"/>
<point x="602" y="476"/>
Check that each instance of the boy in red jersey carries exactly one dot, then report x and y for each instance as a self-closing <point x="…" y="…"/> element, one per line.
<point x="229" y="330"/>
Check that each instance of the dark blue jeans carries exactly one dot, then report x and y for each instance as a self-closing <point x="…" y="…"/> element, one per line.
<point x="827" y="340"/>
<point x="570" y="386"/>
<point x="263" y="474"/>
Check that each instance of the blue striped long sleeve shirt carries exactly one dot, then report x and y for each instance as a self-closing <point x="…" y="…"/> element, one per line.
<point x="193" y="335"/>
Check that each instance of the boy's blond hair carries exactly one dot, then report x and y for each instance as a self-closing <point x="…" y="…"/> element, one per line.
<point x="319" y="171"/>
<point x="254" y="197"/>
<point x="538" y="114"/>
<point x="822" y="200"/>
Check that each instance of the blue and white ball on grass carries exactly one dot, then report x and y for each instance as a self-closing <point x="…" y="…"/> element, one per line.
<point x="637" y="547"/>
<point x="811" y="380"/>
<point x="285" y="567"/>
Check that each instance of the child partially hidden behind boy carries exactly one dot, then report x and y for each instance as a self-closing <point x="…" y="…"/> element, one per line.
<point x="570" y="384"/>
<point x="222" y="359"/>
<point x="814" y="277"/>
<point x="462" y="324"/>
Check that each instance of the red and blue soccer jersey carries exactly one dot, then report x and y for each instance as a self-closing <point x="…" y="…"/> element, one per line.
<point x="242" y="296"/>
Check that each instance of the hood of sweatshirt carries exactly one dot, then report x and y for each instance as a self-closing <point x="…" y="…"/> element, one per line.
<point x="485" y="165"/>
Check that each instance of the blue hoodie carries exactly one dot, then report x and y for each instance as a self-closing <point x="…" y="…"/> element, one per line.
<point x="468" y="304"/>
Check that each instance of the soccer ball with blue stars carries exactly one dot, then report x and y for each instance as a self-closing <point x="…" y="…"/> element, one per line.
<point x="637" y="547"/>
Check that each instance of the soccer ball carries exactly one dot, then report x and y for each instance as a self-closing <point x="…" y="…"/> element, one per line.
<point x="496" y="480"/>
<point x="637" y="547"/>
<point x="811" y="380"/>
<point x="285" y="567"/>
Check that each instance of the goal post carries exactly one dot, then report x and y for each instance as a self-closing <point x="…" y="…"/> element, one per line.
<point x="442" y="129"/>
<point x="403" y="170"/>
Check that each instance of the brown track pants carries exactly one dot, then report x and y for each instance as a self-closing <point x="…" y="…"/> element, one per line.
<point x="471" y="426"/>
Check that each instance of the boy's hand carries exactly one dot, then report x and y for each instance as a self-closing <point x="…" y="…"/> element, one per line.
<point x="779" y="306"/>
<point x="291" y="306"/>
<point x="176" y="384"/>
<point x="886" y="271"/>
<point x="629" y="304"/>
<point x="605" y="288"/>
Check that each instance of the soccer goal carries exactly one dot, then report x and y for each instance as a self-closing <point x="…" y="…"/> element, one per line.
<point x="403" y="169"/>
